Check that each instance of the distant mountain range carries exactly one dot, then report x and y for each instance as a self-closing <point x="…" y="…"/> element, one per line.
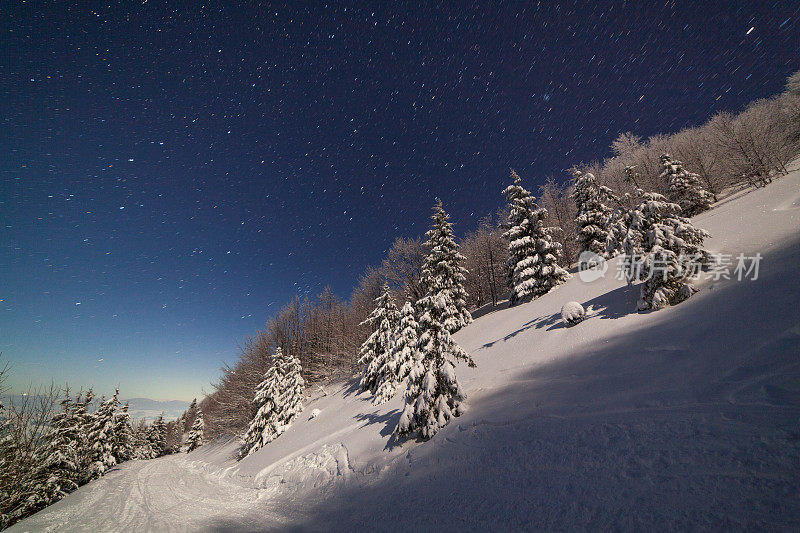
<point x="150" y="409"/>
<point x="139" y="407"/>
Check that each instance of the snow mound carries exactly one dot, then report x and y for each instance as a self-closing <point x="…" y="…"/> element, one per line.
<point x="572" y="313"/>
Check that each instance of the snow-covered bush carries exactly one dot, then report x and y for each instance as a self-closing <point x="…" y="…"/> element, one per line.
<point x="572" y="313"/>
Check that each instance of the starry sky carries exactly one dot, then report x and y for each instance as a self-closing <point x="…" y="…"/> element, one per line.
<point x="171" y="173"/>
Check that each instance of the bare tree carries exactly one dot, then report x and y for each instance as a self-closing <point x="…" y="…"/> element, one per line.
<point x="403" y="267"/>
<point x="561" y="211"/>
<point x="24" y="428"/>
<point x="485" y="254"/>
<point x="693" y="147"/>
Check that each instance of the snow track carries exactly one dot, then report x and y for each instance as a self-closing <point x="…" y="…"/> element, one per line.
<point x="164" y="494"/>
<point x="683" y="419"/>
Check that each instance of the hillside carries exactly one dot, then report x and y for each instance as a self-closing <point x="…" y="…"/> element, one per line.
<point x="682" y="418"/>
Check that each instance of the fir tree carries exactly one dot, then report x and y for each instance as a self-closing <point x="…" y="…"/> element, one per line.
<point x="142" y="447"/>
<point x="58" y="474"/>
<point x="434" y="395"/>
<point x="101" y="437"/>
<point x="278" y="399"/>
<point x="85" y="421"/>
<point x="375" y="349"/>
<point x="196" y="433"/>
<point x="122" y="447"/>
<point x="664" y="249"/>
<point x="443" y="273"/>
<point x="620" y="222"/>
<point x="403" y="353"/>
<point x="684" y="187"/>
<point x="157" y="436"/>
<point x="532" y="253"/>
<point x="593" y="213"/>
<point x="188" y="417"/>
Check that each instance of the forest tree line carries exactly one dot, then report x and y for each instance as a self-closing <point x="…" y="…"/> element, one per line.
<point x="728" y="153"/>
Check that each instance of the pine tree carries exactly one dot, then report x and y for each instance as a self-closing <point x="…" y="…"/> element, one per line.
<point x="620" y="222"/>
<point x="663" y="249"/>
<point x="188" y="417"/>
<point x="383" y="320"/>
<point x="7" y="452"/>
<point x="122" y="447"/>
<point x="142" y="447"/>
<point x="58" y="474"/>
<point x="278" y="398"/>
<point x="684" y="187"/>
<point x="593" y="213"/>
<point x="402" y="355"/>
<point x="158" y="436"/>
<point x="85" y="422"/>
<point x="101" y="437"/>
<point x="532" y="254"/>
<point x="443" y="273"/>
<point x="434" y="395"/>
<point x="196" y="433"/>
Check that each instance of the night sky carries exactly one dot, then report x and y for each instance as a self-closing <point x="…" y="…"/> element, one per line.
<point x="171" y="174"/>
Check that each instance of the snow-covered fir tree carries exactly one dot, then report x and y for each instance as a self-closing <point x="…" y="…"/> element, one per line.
<point x="85" y="422"/>
<point x="101" y="436"/>
<point x="157" y="436"/>
<point x="122" y="447"/>
<point x="383" y="321"/>
<point x="443" y="273"/>
<point x="664" y="249"/>
<point x="594" y="214"/>
<point x="620" y="222"/>
<point x="618" y="225"/>
<point x="403" y="353"/>
<point x="434" y="395"/>
<point x="142" y="447"/>
<point x="532" y="253"/>
<point x="187" y="418"/>
<point x="684" y="187"/>
<point x="6" y="454"/>
<point x="195" y="439"/>
<point x="279" y="398"/>
<point x="58" y="474"/>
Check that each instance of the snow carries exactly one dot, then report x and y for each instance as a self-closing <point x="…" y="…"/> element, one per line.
<point x="572" y="313"/>
<point x="684" y="418"/>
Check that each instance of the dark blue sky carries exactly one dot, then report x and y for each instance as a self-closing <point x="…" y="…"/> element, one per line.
<point x="171" y="174"/>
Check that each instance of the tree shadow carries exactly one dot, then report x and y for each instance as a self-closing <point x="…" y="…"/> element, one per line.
<point x="614" y="304"/>
<point x="353" y="388"/>
<point x="389" y="421"/>
<point x="489" y="308"/>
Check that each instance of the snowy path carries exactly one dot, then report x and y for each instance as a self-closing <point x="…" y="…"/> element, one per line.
<point x="160" y="495"/>
<point x="683" y="419"/>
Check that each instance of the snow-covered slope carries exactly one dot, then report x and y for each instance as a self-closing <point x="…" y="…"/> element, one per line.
<point x="684" y="418"/>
